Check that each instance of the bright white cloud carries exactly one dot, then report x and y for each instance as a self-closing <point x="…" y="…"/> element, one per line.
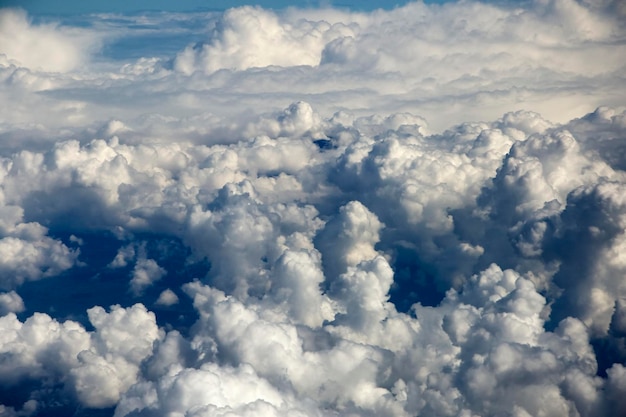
<point x="45" y="47"/>
<point x="409" y="212"/>
<point x="249" y="37"/>
<point x="96" y="366"/>
<point x="26" y="253"/>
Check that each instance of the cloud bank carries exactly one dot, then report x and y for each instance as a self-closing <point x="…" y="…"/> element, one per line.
<point x="315" y="212"/>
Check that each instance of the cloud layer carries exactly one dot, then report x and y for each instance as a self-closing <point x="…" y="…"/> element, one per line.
<point x="315" y="212"/>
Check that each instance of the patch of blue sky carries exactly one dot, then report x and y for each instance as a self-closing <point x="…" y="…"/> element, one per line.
<point x="65" y="7"/>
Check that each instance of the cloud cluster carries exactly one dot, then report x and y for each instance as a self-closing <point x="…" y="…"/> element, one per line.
<point x="450" y="63"/>
<point x="93" y="368"/>
<point x="299" y="215"/>
<point x="250" y="37"/>
<point x="44" y="47"/>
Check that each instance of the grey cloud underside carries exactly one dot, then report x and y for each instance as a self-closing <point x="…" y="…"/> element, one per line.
<point x="299" y="215"/>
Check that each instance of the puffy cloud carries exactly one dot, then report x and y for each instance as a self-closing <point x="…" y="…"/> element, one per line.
<point x="511" y="355"/>
<point x="321" y="288"/>
<point x="44" y="47"/>
<point x="595" y="287"/>
<point x="11" y="302"/>
<point x="96" y="366"/>
<point x="23" y="260"/>
<point x="107" y="369"/>
<point x="305" y="302"/>
<point x="208" y="391"/>
<point x="375" y="214"/>
<point x="167" y="298"/>
<point x="276" y="352"/>
<point x="26" y="253"/>
<point x="451" y="63"/>
<point x="249" y="37"/>
<point x="297" y="282"/>
<point x="145" y="273"/>
<point x="349" y="239"/>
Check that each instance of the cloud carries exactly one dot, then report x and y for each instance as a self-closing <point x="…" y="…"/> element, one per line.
<point x="46" y="47"/>
<point x="111" y="366"/>
<point x="26" y="253"/>
<point x="306" y="293"/>
<point x="167" y="298"/>
<point x="248" y="37"/>
<point x="409" y="212"/>
<point x="11" y="302"/>
<point x="449" y="64"/>
<point x="145" y="273"/>
<point x="96" y="367"/>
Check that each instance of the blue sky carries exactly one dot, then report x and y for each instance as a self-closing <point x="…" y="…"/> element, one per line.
<point x="78" y="6"/>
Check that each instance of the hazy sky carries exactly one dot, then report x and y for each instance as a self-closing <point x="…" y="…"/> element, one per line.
<point x="258" y="211"/>
<point x="79" y="6"/>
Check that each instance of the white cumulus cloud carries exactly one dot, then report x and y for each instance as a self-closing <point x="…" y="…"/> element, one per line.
<point x="409" y="212"/>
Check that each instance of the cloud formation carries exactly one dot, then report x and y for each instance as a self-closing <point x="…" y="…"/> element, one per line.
<point x="42" y="47"/>
<point x="315" y="212"/>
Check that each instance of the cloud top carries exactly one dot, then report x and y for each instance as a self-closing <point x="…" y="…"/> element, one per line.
<point x="46" y="47"/>
<point x="315" y="212"/>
